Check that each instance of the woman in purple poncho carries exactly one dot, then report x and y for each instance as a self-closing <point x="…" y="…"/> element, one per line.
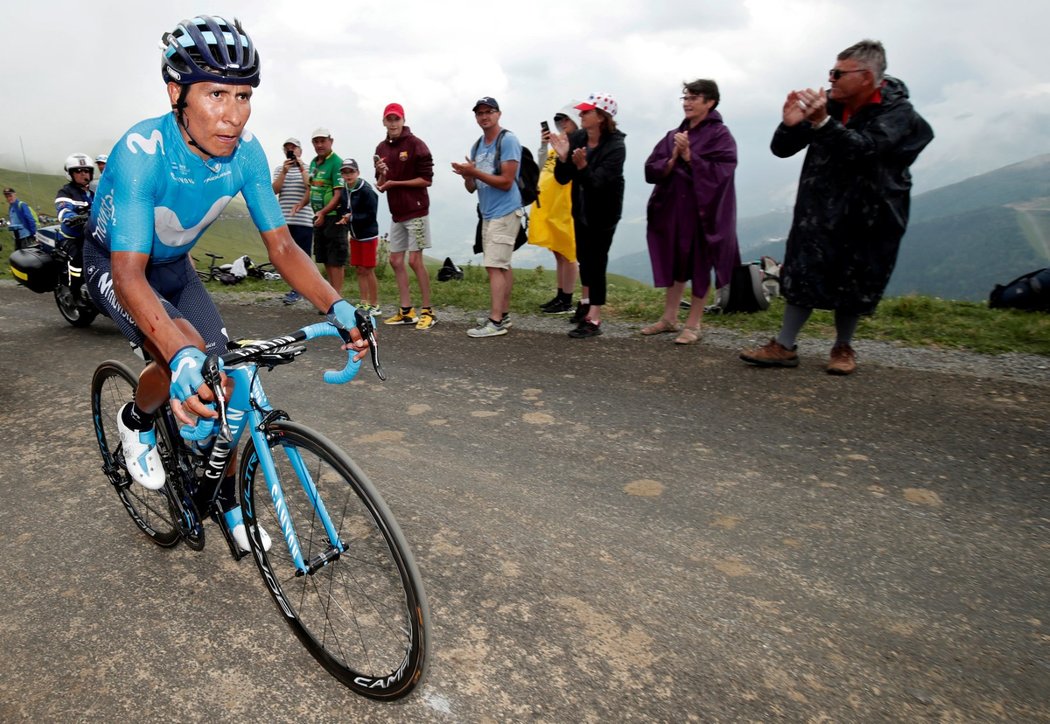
<point x="692" y="210"/>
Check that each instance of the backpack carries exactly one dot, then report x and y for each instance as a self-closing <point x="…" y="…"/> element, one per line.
<point x="745" y="292"/>
<point x="1030" y="292"/>
<point x="528" y="172"/>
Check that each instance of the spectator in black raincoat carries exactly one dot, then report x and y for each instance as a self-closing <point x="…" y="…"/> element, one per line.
<point x="853" y="199"/>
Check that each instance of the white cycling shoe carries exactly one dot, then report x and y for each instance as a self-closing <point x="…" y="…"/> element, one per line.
<point x="235" y="523"/>
<point x="141" y="454"/>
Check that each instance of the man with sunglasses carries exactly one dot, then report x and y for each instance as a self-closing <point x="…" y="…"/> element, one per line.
<point x="73" y="204"/>
<point x="854" y="193"/>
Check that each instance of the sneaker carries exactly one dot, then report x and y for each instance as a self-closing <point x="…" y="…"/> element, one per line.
<point x="505" y="322"/>
<point x="488" y="329"/>
<point x="551" y="303"/>
<point x="140" y="454"/>
<point x="561" y="306"/>
<point x="581" y="313"/>
<point x="586" y="329"/>
<point x="292" y="297"/>
<point x="772" y="354"/>
<point x="401" y="317"/>
<point x="234" y="521"/>
<point x="843" y="360"/>
<point x="426" y="318"/>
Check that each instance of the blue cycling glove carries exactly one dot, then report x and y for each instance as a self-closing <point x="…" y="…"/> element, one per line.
<point x="186" y="367"/>
<point x="341" y="316"/>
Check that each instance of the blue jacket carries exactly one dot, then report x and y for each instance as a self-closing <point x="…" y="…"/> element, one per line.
<point x="73" y="204"/>
<point x="23" y="223"/>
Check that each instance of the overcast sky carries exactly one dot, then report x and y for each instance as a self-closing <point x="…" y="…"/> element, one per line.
<point x="78" y="74"/>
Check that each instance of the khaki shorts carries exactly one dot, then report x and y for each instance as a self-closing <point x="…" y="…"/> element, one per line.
<point x="411" y="235"/>
<point x="497" y="239"/>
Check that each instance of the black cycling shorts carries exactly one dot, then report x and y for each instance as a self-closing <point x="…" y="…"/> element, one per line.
<point x="178" y="289"/>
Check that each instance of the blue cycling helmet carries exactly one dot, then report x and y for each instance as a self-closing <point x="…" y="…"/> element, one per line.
<point x="209" y="49"/>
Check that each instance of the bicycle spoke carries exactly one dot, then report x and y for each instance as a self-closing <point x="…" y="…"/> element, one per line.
<point x="362" y="614"/>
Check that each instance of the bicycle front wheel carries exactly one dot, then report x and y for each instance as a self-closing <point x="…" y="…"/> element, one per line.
<point x="112" y="386"/>
<point x="362" y="612"/>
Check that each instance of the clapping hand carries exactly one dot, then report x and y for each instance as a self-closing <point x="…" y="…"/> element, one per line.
<point x="805" y="105"/>
<point x="560" y="143"/>
<point x="681" y="147"/>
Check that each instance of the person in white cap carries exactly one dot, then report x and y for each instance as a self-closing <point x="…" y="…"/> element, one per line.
<point x="289" y="183"/>
<point x="324" y="195"/>
<point x="100" y="164"/>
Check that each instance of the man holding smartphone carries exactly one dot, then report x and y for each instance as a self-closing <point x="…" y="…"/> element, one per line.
<point x="289" y="183"/>
<point x="404" y="170"/>
<point x="499" y="204"/>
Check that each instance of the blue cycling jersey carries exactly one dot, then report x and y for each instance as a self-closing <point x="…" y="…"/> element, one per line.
<point x="157" y="197"/>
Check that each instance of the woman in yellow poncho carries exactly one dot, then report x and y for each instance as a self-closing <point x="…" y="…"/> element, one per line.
<point x="550" y="219"/>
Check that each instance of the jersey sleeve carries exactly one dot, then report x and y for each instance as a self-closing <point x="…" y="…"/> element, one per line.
<point x="257" y="190"/>
<point x="124" y="221"/>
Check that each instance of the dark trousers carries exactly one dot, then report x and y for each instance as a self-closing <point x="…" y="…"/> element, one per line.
<point x="592" y="251"/>
<point x="303" y="236"/>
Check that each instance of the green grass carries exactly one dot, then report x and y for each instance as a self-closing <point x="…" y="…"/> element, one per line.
<point x="911" y="321"/>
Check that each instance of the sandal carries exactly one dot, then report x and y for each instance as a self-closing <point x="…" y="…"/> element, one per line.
<point x="661" y="327"/>
<point x="688" y="335"/>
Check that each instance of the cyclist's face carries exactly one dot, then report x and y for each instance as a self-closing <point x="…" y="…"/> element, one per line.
<point x="215" y="115"/>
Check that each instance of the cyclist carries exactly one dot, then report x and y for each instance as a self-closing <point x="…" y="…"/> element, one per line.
<point x="73" y="204"/>
<point x="167" y="179"/>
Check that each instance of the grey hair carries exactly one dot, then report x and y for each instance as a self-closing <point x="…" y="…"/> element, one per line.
<point x="870" y="54"/>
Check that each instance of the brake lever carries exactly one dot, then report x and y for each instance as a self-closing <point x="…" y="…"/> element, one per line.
<point x="212" y="375"/>
<point x="368" y="331"/>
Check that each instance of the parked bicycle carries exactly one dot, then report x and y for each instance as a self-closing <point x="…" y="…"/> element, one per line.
<point x="214" y="271"/>
<point x="231" y="273"/>
<point x="339" y="569"/>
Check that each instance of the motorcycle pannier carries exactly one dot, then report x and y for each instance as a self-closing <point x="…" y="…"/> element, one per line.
<point x="35" y="268"/>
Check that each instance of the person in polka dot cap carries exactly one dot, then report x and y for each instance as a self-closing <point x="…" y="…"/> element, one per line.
<point x="592" y="160"/>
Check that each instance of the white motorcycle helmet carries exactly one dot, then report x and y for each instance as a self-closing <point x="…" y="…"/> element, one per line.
<point x="102" y="158"/>
<point x="78" y="161"/>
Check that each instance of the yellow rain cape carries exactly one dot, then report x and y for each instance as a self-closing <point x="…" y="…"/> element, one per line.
<point x="550" y="220"/>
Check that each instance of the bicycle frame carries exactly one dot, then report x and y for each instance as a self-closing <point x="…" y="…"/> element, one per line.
<point x="247" y="409"/>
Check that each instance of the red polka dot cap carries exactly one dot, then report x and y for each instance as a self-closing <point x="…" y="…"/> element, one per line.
<point x="604" y="101"/>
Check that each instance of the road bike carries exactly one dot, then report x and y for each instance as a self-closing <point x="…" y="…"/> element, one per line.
<point x="339" y="568"/>
<point x="229" y="273"/>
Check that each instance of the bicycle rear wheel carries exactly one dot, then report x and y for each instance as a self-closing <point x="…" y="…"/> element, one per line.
<point x="363" y="615"/>
<point x="112" y="386"/>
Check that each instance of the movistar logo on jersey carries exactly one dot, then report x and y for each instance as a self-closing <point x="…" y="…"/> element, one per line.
<point x="146" y="145"/>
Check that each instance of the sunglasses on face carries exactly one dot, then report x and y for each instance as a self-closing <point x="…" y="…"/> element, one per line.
<point x="836" y="73"/>
<point x="82" y="170"/>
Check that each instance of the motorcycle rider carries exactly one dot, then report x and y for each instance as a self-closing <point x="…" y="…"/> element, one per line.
<point x="73" y="203"/>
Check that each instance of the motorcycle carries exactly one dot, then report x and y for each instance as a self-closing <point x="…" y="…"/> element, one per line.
<point x="48" y="267"/>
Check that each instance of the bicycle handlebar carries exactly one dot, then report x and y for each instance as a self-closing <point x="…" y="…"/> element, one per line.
<point x="204" y="426"/>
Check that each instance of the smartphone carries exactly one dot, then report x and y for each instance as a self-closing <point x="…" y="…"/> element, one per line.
<point x="546" y="128"/>
<point x="376" y="158"/>
<point x="290" y="155"/>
